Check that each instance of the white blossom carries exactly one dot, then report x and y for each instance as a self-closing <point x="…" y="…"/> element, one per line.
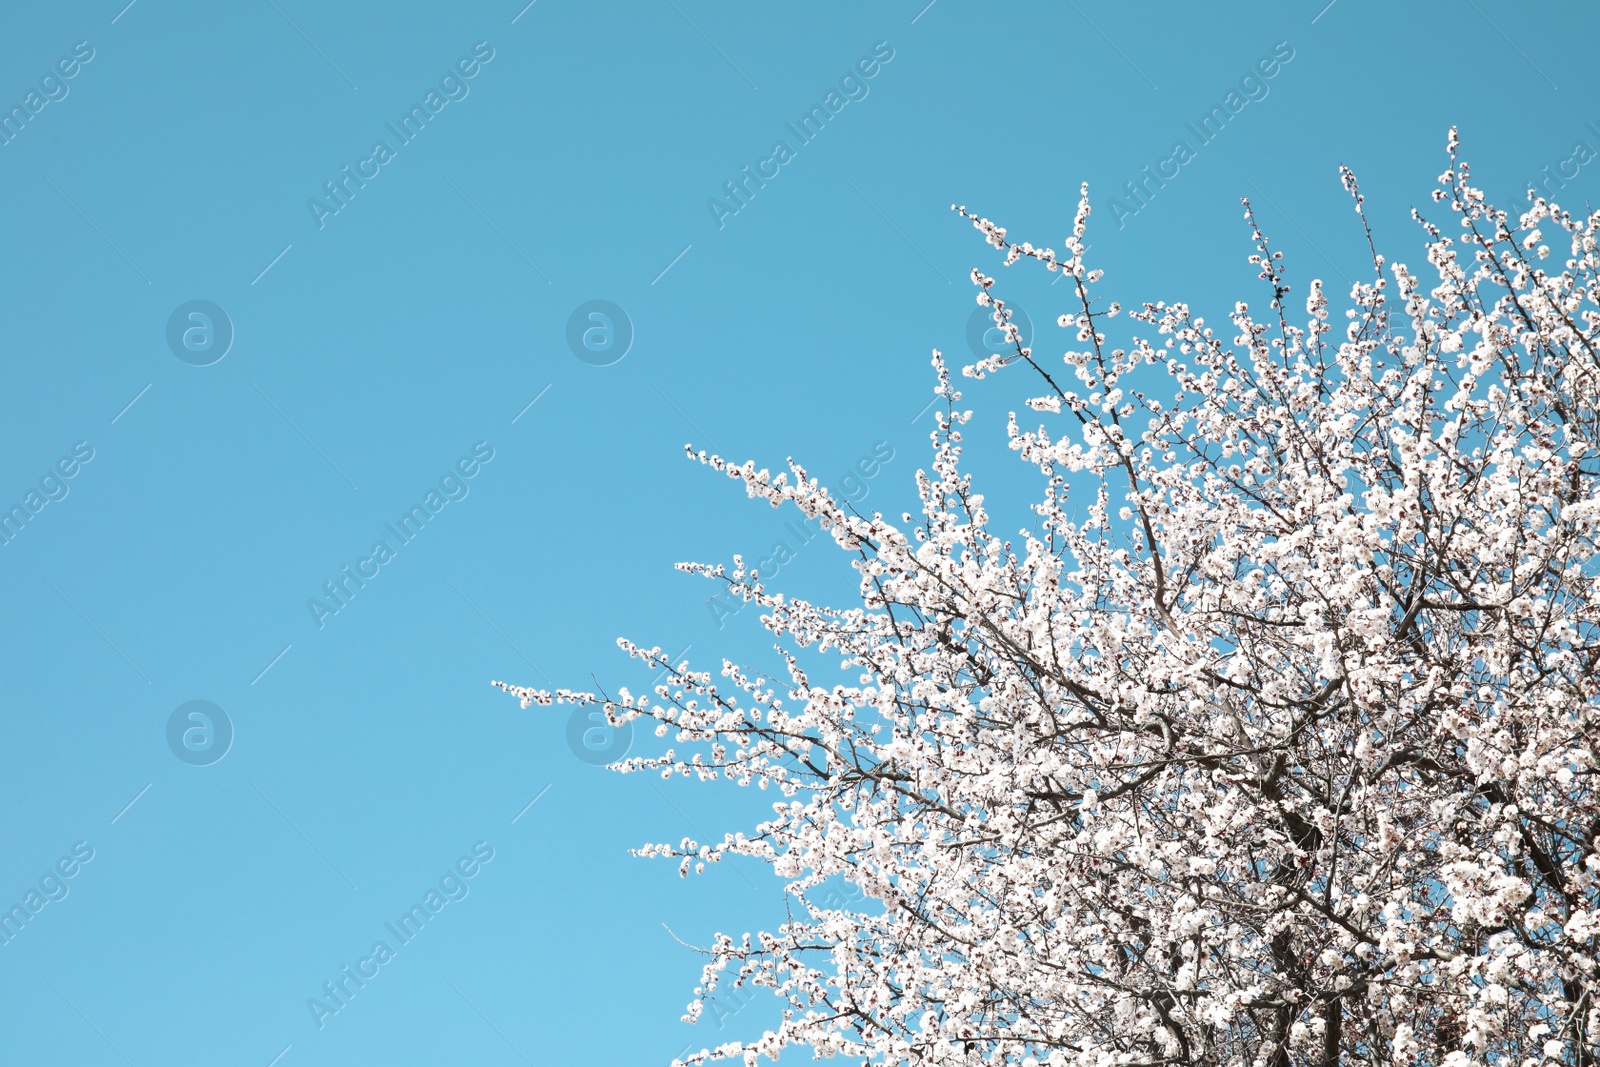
<point x="1272" y="743"/>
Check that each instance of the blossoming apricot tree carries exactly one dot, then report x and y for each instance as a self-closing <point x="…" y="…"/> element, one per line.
<point x="1280" y="751"/>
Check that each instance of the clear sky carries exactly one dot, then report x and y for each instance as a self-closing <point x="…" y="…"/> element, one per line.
<point x="242" y="345"/>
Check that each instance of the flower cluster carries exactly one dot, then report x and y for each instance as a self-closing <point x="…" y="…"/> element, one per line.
<point x="1274" y="746"/>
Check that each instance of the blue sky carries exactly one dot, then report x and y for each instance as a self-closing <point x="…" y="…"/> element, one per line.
<point x="413" y="336"/>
